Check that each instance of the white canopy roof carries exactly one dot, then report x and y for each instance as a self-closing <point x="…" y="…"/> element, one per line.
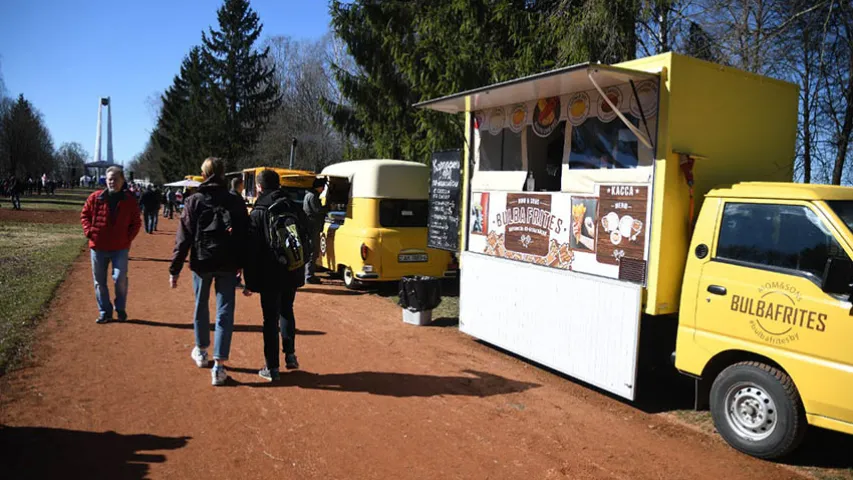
<point x="549" y="84"/>
<point x="183" y="183"/>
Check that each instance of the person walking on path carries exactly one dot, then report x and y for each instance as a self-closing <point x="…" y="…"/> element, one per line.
<point x="212" y="231"/>
<point x="150" y="202"/>
<point x="316" y="214"/>
<point x="15" y="188"/>
<point x="111" y="221"/>
<point x="277" y="229"/>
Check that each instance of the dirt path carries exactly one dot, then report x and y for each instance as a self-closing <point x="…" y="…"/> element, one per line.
<point x="376" y="399"/>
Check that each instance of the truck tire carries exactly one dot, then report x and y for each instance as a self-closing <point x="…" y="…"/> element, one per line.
<point x="349" y="279"/>
<point x="757" y="410"/>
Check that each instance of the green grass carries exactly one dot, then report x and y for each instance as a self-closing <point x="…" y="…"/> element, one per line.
<point x="63" y="200"/>
<point x="34" y="259"/>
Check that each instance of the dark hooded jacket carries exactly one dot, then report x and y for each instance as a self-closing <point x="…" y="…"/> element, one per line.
<point x="262" y="271"/>
<point x="213" y="189"/>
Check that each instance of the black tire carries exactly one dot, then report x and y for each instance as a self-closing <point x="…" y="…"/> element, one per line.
<point x="757" y="410"/>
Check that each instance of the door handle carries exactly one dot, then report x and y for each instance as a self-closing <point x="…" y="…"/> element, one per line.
<point x="717" y="290"/>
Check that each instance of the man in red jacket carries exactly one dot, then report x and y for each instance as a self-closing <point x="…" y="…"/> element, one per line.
<point x="111" y="221"/>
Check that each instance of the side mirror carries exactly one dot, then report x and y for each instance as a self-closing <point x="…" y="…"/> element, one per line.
<point x="838" y="276"/>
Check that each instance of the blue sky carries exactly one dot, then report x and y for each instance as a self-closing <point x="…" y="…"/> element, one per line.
<point x="65" y="54"/>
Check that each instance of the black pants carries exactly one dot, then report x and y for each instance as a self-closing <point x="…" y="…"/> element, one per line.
<point x="277" y="306"/>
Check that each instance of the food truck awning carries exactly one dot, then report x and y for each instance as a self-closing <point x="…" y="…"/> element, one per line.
<point x="556" y="82"/>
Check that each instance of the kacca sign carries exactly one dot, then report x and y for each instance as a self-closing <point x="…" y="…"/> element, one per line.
<point x="775" y="316"/>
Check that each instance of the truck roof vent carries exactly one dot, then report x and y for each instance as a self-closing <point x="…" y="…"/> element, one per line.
<point x="632" y="270"/>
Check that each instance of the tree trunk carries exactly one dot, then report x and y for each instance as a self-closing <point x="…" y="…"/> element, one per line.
<point x="843" y="140"/>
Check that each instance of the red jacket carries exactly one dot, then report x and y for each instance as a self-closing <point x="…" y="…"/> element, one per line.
<point x="110" y="232"/>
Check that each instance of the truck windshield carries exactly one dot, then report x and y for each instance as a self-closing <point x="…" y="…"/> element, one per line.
<point x="844" y="209"/>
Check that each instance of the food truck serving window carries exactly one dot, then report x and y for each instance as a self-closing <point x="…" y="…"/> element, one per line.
<point x="500" y="151"/>
<point x="597" y="144"/>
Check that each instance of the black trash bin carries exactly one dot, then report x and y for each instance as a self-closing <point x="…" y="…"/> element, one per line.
<point x="419" y="295"/>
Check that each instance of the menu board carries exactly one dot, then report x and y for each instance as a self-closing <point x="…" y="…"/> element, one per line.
<point x="445" y="185"/>
<point x="621" y="222"/>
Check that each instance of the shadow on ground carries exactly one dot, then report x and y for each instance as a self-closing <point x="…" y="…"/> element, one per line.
<point x="478" y="384"/>
<point x="330" y="291"/>
<point x="823" y="449"/>
<point x="148" y="259"/>
<point x="189" y="326"/>
<point x="39" y="452"/>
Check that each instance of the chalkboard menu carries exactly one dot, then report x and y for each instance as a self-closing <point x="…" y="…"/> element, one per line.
<point x="445" y="184"/>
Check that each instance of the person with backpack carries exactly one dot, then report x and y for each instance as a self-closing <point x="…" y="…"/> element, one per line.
<point x="212" y="231"/>
<point x="279" y="241"/>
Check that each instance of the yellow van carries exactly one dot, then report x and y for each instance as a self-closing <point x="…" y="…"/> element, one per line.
<point x="295" y="182"/>
<point x="376" y="229"/>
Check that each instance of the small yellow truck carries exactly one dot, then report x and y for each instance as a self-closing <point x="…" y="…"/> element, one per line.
<point x="604" y="200"/>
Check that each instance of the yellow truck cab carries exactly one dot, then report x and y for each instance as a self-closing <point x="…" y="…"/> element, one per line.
<point x="581" y="188"/>
<point x="376" y="229"/>
<point x="765" y="317"/>
<point x="295" y="182"/>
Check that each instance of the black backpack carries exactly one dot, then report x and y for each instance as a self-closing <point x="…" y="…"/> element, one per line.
<point x="213" y="241"/>
<point x="284" y="233"/>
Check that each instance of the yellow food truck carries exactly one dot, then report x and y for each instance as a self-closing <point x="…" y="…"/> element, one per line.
<point x="582" y="187"/>
<point x="376" y="230"/>
<point x="295" y="182"/>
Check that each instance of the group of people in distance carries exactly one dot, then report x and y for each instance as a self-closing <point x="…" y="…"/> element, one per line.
<point x="270" y="249"/>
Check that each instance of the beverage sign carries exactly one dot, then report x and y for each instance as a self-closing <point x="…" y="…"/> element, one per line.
<point x="444" y="189"/>
<point x="621" y="224"/>
<point x="528" y="223"/>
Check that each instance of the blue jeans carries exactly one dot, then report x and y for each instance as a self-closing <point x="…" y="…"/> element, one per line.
<point x="100" y="265"/>
<point x="150" y="221"/>
<point x="225" y="284"/>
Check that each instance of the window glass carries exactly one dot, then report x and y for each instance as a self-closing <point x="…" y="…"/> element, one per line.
<point x="780" y="236"/>
<point x="501" y="152"/>
<point x="491" y="151"/>
<point x="545" y="157"/>
<point x="844" y="209"/>
<point x="403" y="213"/>
<point x="511" y="158"/>
<point x="597" y="144"/>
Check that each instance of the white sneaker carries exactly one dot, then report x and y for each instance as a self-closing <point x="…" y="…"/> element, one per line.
<point x="218" y="375"/>
<point x="200" y="357"/>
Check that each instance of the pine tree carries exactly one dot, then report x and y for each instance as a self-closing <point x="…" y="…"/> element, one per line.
<point x="407" y="52"/>
<point x="26" y="143"/>
<point x="191" y="125"/>
<point x="244" y="76"/>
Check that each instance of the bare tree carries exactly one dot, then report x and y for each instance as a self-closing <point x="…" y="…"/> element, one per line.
<point x="302" y="71"/>
<point x="71" y="159"/>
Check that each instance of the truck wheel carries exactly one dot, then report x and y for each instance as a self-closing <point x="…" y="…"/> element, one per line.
<point x="349" y="279"/>
<point x="757" y="410"/>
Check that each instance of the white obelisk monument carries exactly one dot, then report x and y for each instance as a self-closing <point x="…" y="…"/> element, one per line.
<point x="104" y="102"/>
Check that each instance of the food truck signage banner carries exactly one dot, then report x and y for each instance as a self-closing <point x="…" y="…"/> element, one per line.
<point x="584" y="233"/>
<point x="528" y="223"/>
<point x="544" y="114"/>
<point x="622" y="219"/>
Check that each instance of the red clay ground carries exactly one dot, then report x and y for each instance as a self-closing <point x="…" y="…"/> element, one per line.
<point x="37" y="216"/>
<point x="376" y="399"/>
